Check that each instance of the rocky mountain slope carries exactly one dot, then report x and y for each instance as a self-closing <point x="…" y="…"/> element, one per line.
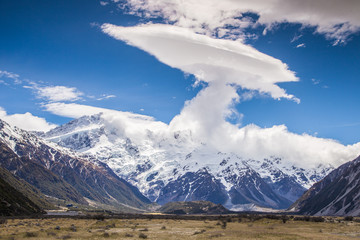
<point x="12" y="201"/>
<point x="174" y="166"/>
<point x="62" y="173"/>
<point x="29" y="191"/>
<point x="337" y="194"/>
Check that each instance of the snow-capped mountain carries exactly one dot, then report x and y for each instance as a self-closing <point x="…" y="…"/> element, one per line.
<point x="175" y="166"/>
<point x="62" y="173"/>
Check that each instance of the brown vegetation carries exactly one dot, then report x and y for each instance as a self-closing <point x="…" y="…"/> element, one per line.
<point x="245" y="226"/>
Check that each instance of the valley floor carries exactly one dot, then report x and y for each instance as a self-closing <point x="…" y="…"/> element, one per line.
<point x="231" y="228"/>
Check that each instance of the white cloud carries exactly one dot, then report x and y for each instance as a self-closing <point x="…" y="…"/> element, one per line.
<point x="296" y="37"/>
<point x="26" y="121"/>
<point x="103" y="3"/>
<point x="336" y="19"/>
<point x="13" y="76"/>
<point x="301" y="45"/>
<point x="225" y="65"/>
<point x="208" y="59"/>
<point x="58" y="93"/>
<point x="315" y="81"/>
<point x="105" y="96"/>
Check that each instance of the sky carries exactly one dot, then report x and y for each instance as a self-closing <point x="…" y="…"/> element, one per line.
<point x="205" y="65"/>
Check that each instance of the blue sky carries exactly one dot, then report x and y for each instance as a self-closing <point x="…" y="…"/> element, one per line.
<point x="61" y="43"/>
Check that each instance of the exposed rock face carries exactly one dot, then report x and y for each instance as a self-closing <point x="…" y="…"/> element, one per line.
<point x="177" y="167"/>
<point x="337" y="194"/>
<point x="62" y="173"/>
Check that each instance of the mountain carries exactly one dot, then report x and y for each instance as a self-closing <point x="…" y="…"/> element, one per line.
<point x="14" y="202"/>
<point x="63" y="174"/>
<point x="29" y="191"/>
<point x="337" y="194"/>
<point x="175" y="166"/>
<point x="193" y="207"/>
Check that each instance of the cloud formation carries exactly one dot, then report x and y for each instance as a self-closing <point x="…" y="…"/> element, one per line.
<point x="9" y="75"/>
<point x="208" y="59"/>
<point x="336" y="19"/>
<point x="226" y="65"/>
<point x="26" y="121"/>
<point x="58" y="93"/>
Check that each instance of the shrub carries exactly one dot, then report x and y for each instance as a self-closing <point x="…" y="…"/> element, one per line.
<point x="318" y="219"/>
<point x="73" y="228"/>
<point x="141" y="235"/>
<point x="224" y="225"/>
<point x="99" y="217"/>
<point x="348" y="218"/>
<point x="30" y="234"/>
<point x="284" y="219"/>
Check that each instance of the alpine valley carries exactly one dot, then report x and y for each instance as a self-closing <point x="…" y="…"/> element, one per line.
<point x="169" y="166"/>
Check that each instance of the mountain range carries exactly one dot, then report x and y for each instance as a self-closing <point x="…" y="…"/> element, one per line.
<point x="177" y="167"/>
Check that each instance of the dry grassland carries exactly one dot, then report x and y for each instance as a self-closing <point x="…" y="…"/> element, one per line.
<point x="69" y="228"/>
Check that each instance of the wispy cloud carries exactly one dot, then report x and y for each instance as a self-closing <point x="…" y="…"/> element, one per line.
<point x="9" y="75"/>
<point x="103" y="3"/>
<point x="105" y="96"/>
<point x="301" y="45"/>
<point x="315" y="81"/>
<point x="296" y="37"/>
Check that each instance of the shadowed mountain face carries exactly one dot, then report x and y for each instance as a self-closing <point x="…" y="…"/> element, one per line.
<point x="14" y="202"/>
<point x="337" y="194"/>
<point x="28" y="190"/>
<point x="177" y="167"/>
<point x="61" y="173"/>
